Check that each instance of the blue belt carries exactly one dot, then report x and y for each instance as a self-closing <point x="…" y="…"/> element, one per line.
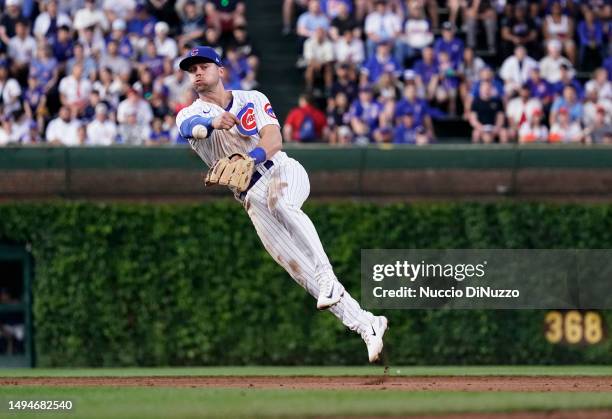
<point x="256" y="176"/>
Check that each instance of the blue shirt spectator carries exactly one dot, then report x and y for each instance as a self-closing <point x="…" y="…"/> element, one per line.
<point x="407" y="130"/>
<point x="368" y="112"/>
<point x="418" y="108"/>
<point x="574" y="109"/>
<point x="425" y="70"/>
<point x="450" y="44"/>
<point x="142" y="25"/>
<point x="375" y="66"/>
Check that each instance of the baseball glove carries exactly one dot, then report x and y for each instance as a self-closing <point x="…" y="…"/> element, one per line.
<point x="234" y="171"/>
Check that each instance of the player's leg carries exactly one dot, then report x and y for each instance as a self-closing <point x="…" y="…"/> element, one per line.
<point x="288" y="189"/>
<point x="283" y="249"/>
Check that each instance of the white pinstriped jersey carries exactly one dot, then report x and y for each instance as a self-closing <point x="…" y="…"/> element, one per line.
<point x="254" y="112"/>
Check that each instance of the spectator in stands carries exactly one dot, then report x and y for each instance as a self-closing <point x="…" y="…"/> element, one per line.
<point x="240" y="69"/>
<point x="533" y="131"/>
<point x="151" y="60"/>
<point x="518" y="30"/>
<point x="90" y="16"/>
<point x="550" y="65"/>
<point x="486" y="76"/>
<point x="63" y="129"/>
<point x="193" y="25"/>
<point x="591" y="40"/>
<point x="165" y="45"/>
<point x="310" y="21"/>
<point x="600" y="131"/>
<point x="540" y="88"/>
<point x="520" y="110"/>
<point x="407" y="131"/>
<point x="44" y="67"/>
<point x="381" y="25"/>
<point x="560" y="27"/>
<point x="116" y="63"/>
<point x="108" y="88"/>
<point x="35" y="101"/>
<point x="417" y="34"/>
<point x="591" y="104"/>
<point x="426" y="67"/>
<point x="226" y="14"/>
<point x="469" y="70"/>
<point x="21" y="49"/>
<point x="338" y="119"/>
<point x="601" y="84"/>
<point x="570" y="103"/>
<point x="92" y="39"/>
<point x="74" y="90"/>
<point x="118" y="9"/>
<point x="119" y="35"/>
<point x="134" y="105"/>
<point x="444" y="85"/>
<point x="487" y="116"/>
<point x="564" y="130"/>
<point x="48" y="22"/>
<point x="9" y="19"/>
<point x="289" y="9"/>
<point x="88" y="63"/>
<point x="343" y="22"/>
<point x="481" y="10"/>
<point x="516" y="69"/>
<point x="245" y="48"/>
<point x="140" y="25"/>
<point x="418" y="107"/>
<point x="131" y="131"/>
<point x="349" y="49"/>
<point x="177" y="85"/>
<point x="567" y="79"/>
<point x="319" y="57"/>
<point x="388" y="87"/>
<point x="158" y="134"/>
<point x="305" y="123"/>
<point x="10" y="89"/>
<point x="365" y="112"/>
<point x="63" y="46"/>
<point x="102" y="130"/>
<point x="345" y="81"/>
<point x="450" y="44"/>
<point x="382" y="61"/>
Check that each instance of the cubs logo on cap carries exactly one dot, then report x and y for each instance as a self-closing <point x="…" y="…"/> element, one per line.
<point x="246" y="116"/>
<point x="201" y="54"/>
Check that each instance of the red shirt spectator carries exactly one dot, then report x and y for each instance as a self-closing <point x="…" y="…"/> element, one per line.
<point x="305" y="123"/>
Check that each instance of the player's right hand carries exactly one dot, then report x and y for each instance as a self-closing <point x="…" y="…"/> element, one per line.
<point x="225" y="121"/>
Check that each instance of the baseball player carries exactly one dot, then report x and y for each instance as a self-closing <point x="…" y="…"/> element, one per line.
<point x="236" y="133"/>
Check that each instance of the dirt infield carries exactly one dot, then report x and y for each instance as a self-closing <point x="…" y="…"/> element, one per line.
<point x="448" y="383"/>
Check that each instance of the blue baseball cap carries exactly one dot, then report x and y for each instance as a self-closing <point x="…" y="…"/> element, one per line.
<point x="198" y="55"/>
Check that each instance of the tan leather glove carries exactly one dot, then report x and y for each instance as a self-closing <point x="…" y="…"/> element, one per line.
<point x="234" y="171"/>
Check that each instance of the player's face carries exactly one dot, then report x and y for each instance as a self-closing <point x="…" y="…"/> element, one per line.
<point x="204" y="76"/>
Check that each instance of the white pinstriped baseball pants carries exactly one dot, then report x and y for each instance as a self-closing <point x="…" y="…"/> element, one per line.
<point x="274" y="206"/>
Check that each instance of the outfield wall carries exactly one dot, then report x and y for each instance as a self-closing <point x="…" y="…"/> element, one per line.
<point x="441" y="171"/>
<point x="141" y="285"/>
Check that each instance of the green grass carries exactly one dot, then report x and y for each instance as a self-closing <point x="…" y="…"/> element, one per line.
<point x="183" y="403"/>
<point x="593" y="370"/>
<point x="190" y="403"/>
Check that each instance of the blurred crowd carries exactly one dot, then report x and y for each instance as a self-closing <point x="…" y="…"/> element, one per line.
<point x="517" y="70"/>
<point x="101" y="72"/>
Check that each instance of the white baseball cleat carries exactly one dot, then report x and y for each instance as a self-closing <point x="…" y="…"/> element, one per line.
<point x="330" y="292"/>
<point x="373" y="337"/>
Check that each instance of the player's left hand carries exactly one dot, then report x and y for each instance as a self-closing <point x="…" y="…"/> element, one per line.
<point x="234" y="171"/>
<point x="225" y="121"/>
